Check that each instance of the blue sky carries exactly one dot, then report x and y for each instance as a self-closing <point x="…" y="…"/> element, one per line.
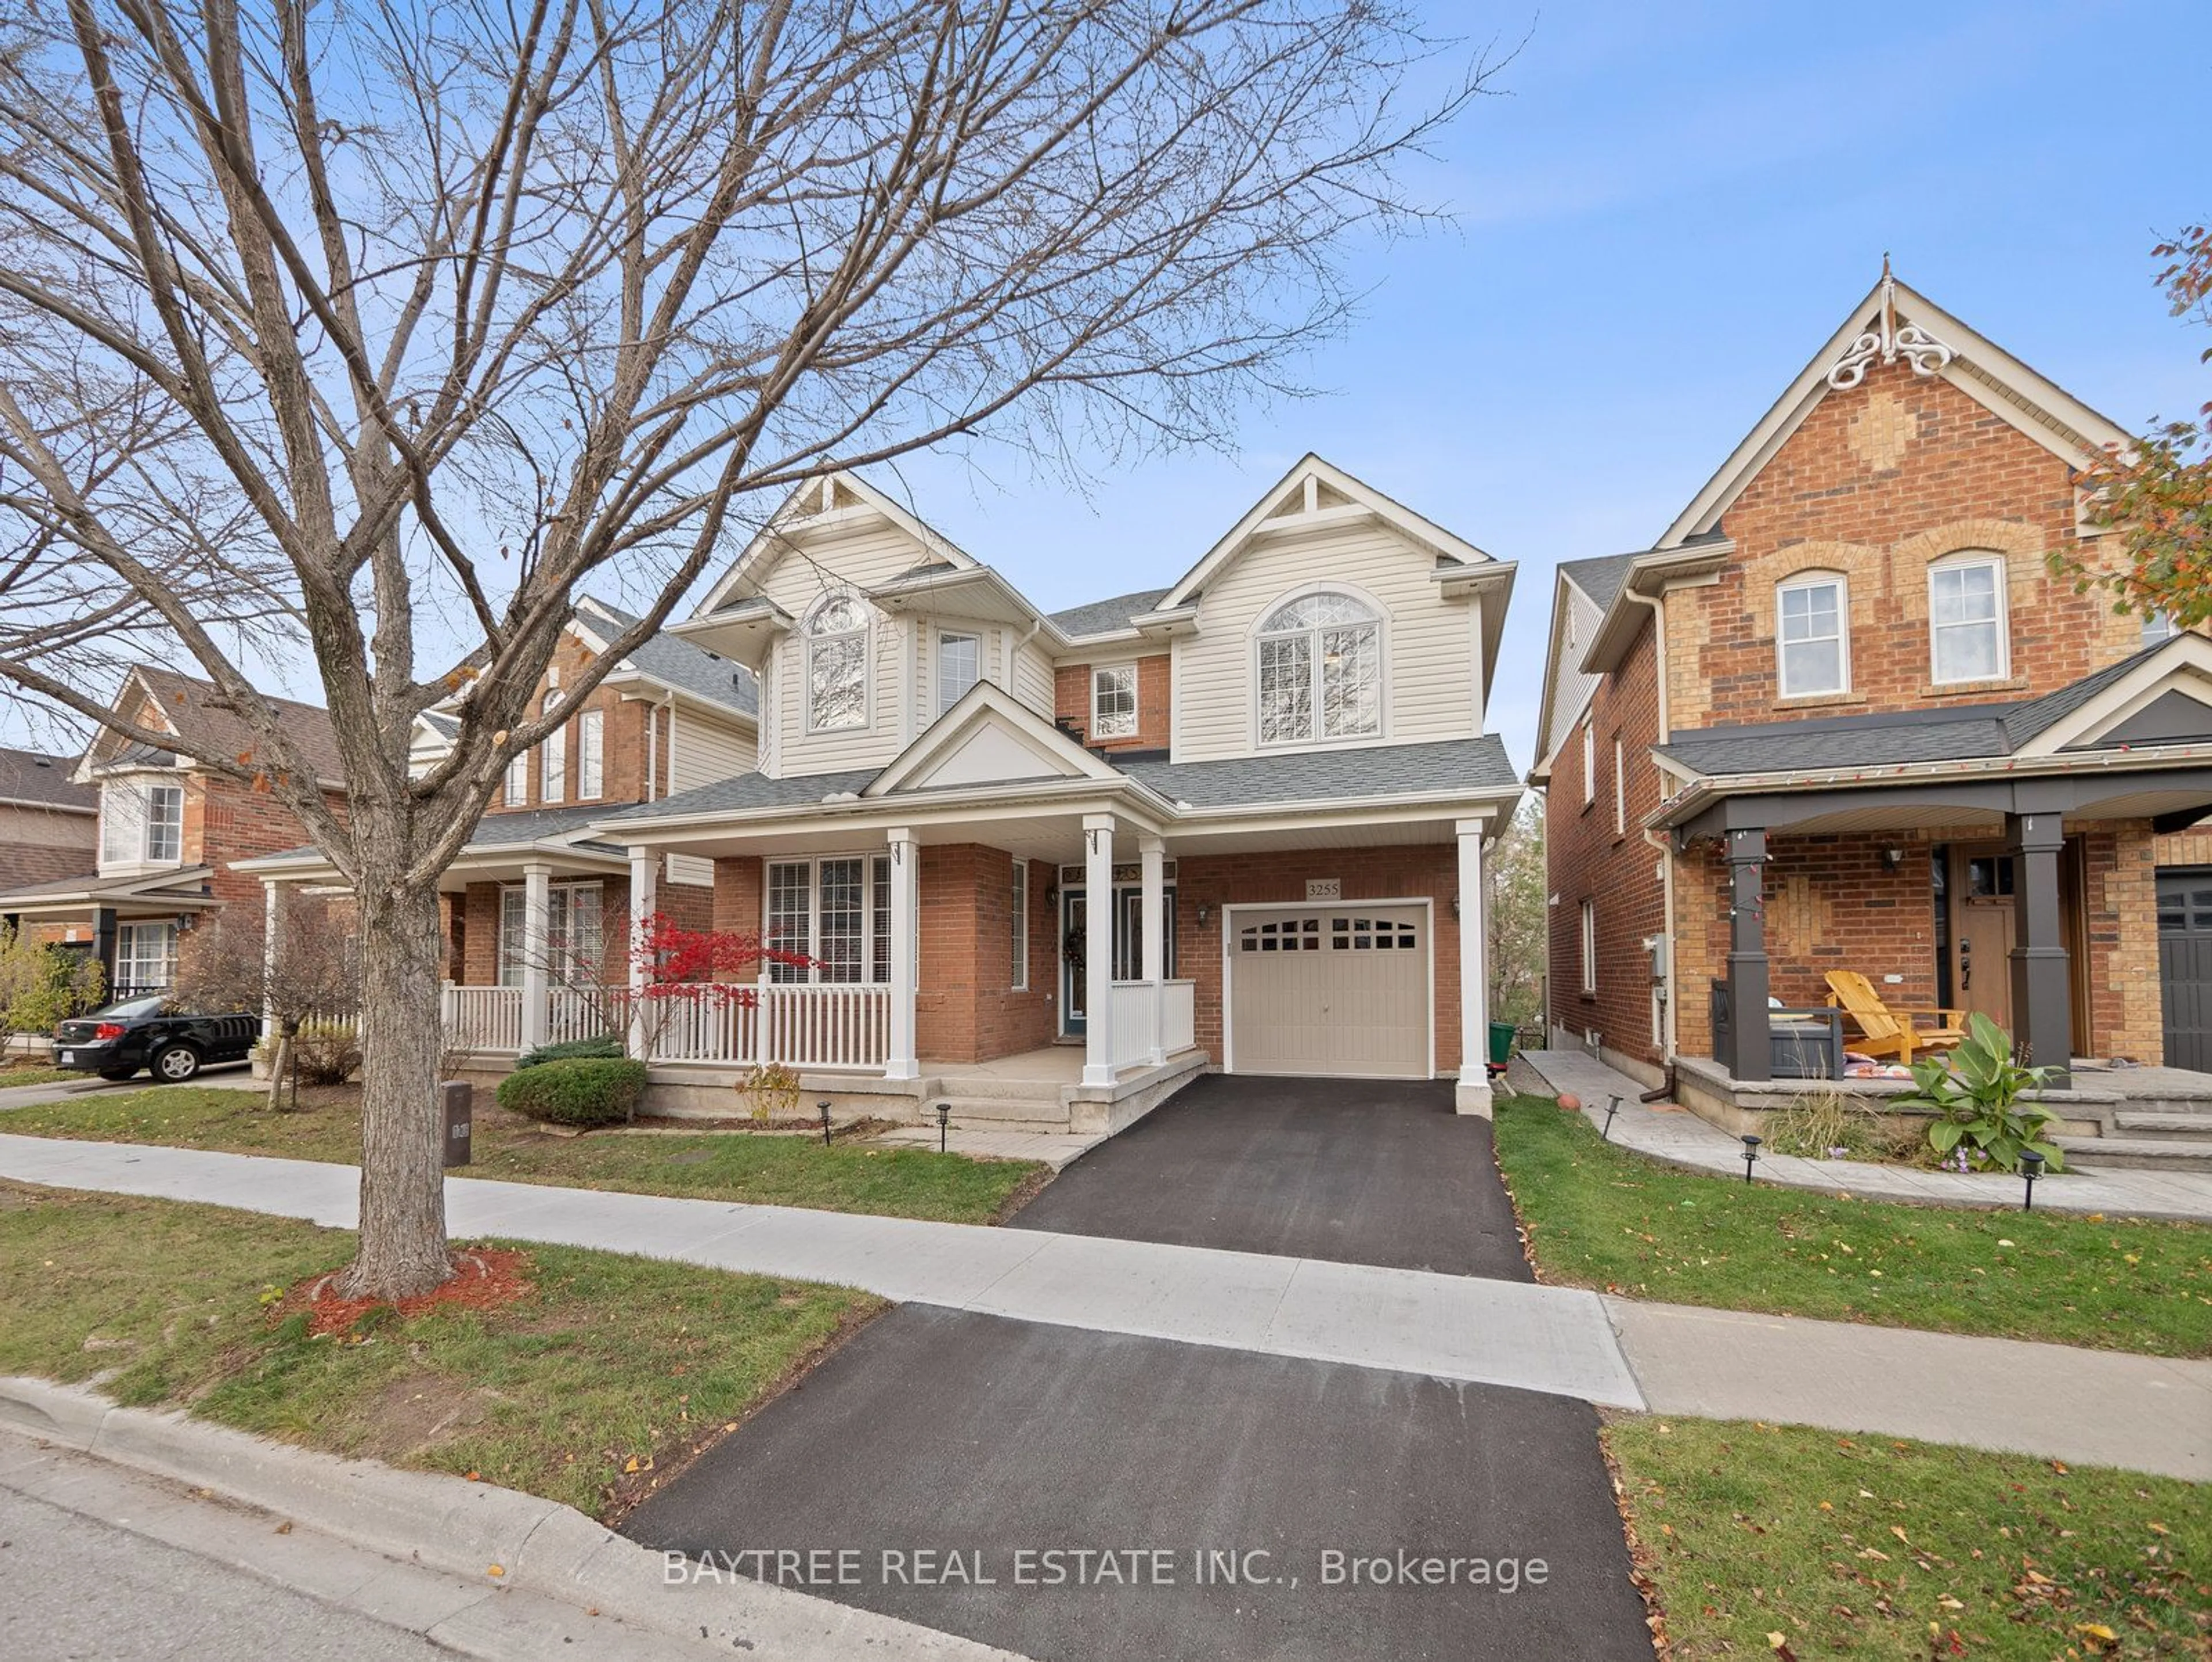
<point x="1667" y="214"/>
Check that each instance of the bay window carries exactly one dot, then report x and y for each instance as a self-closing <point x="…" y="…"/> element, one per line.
<point x="959" y="663"/>
<point x="141" y="822"/>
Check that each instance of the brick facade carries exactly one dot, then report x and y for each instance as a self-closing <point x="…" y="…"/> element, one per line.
<point x="1155" y="687"/>
<point x="633" y="738"/>
<point x="1875" y="483"/>
<point x="966" y="1008"/>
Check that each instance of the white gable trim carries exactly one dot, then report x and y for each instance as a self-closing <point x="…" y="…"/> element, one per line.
<point x="1980" y="369"/>
<point x="2183" y="665"/>
<point x="790" y="525"/>
<point x="988" y="730"/>
<point x="1264" y="520"/>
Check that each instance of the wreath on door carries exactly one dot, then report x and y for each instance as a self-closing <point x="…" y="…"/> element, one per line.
<point x="1072" y="949"/>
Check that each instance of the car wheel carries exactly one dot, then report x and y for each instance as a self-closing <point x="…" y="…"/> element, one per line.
<point x="173" y="1064"/>
<point x="118" y="1073"/>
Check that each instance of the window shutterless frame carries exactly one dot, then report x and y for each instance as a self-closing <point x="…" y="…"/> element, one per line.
<point x="1114" y="701"/>
<point x="1969" y="620"/>
<point x="1812" y="635"/>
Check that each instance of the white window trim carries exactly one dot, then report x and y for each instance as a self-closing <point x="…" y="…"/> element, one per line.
<point x="809" y="639"/>
<point x="1379" y="617"/>
<point x="591" y="755"/>
<point x="554" y="974"/>
<point x="940" y="636"/>
<point x="1966" y="560"/>
<point x="1841" y="584"/>
<point x="141" y="789"/>
<point x="127" y="936"/>
<point x="1589" y="945"/>
<point x="1018" y="926"/>
<point x="515" y="792"/>
<point x="1096" y="728"/>
<point x="1590" y="761"/>
<point x="553" y="757"/>
<point x="812" y="977"/>
<point x="1619" y="789"/>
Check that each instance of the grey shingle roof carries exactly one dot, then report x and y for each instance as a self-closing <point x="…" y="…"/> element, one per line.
<point x="1600" y="578"/>
<point x="1476" y="766"/>
<point x="502" y="829"/>
<point x="694" y="669"/>
<point x="745" y="793"/>
<point x="1963" y="733"/>
<point x="27" y="776"/>
<point x="1100" y="616"/>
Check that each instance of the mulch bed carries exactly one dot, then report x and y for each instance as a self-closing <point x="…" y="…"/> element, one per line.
<point x="484" y="1278"/>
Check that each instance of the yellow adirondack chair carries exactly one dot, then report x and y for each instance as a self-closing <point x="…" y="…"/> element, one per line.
<point x="1884" y="1032"/>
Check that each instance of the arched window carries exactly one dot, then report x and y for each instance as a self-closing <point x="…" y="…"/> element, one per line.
<point x="1812" y="633"/>
<point x="1320" y="670"/>
<point x="837" y="663"/>
<point x="1969" y="633"/>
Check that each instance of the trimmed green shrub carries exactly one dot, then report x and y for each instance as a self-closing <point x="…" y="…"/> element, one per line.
<point x="581" y="1091"/>
<point x="606" y="1046"/>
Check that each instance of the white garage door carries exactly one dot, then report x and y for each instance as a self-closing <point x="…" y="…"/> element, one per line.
<point x="1343" y="991"/>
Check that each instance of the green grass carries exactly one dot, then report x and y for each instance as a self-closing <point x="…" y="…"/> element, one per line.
<point x="1598" y="1215"/>
<point x="611" y="1359"/>
<point x="1852" y="1547"/>
<point x="730" y="1166"/>
<point x="12" y="1077"/>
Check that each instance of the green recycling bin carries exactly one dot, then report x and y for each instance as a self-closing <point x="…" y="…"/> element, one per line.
<point x="1501" y="1045"/>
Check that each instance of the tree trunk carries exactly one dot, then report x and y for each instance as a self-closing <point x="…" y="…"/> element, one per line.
<point x="403" y="1185"/>
<point x="277" y="1057"/>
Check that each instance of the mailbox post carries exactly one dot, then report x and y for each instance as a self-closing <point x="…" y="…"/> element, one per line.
<point x="456" y="1098"/>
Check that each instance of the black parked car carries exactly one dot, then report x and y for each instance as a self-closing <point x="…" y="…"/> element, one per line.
<point x="157" y="1032"/>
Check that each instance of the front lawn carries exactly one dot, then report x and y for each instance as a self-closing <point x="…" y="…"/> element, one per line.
<point x="588" y="1391"/>
<point x="27" y="1075"/>
<point x="1868" y="1547"/>
<point x="736" y="1165"/>
<point x="1598" y="1215"/>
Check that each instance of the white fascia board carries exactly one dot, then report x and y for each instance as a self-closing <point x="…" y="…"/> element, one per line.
<point x="1124" y="796"/>
<point x="1648" y="575"/>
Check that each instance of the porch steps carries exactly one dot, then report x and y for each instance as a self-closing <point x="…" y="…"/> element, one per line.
<point x="988" y="1102"/>
<point x="2137" y="1154"/>
<point x="2180" y="1128"/>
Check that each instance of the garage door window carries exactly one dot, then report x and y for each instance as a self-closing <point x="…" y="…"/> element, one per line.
<point x="1363" y="934"/>
<point x="1292" y="935"/>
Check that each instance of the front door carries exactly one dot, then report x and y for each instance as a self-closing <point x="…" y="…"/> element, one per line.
<point x="1073" y="950"/>
<point x="2185" y="965"/>
<point x="1982" y="932"/>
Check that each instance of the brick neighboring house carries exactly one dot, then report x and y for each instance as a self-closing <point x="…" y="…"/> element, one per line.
<point x="1271" y="776"/>
<point x="1841" y="715"/>
<point x="49" y="820"/>
<point x="170" y="832"/>
<point x="536" y="907"/>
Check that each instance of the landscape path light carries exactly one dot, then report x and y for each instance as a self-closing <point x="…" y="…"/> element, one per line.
<point x="2031" y="1166"/>
<point x="1750" y="1153"/>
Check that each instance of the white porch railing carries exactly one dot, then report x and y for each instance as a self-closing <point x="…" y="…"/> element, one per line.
<point x="831" y="1026"/>
<point x="576" y="1013"/>
<point x="483" y="1017"/>
<point x="1178" y="1016"/>
<point x="1136" y="1022"/>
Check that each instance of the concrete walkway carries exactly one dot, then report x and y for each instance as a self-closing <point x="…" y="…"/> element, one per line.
<point x="1680" y="1138"/>
<point x="1058" y="1149"/>
<point x="2094" y="1407"/>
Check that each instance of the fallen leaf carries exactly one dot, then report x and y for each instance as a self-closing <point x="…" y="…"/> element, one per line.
<point x="630" y="1464"/>
<point x="284" y="1528"/>
<point x="1898" y="1530"/>
<point x="496" y="1569"/>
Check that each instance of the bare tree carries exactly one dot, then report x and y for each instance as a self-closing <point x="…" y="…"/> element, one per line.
<point x="305" y="966"/>
<point x="370" y="332"/>
<point x="1520" y="918"/>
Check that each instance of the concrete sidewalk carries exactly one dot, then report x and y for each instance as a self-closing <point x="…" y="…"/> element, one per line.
<point x="1680" y="1138"/>
<point x="2093" y="1406"/>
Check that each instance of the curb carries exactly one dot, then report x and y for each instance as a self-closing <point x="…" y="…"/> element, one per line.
<point x="463" y="1529"/>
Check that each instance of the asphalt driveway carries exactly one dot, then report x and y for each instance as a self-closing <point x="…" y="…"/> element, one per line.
<point x="1376" y="1172"/>
<point x="939" y="1446"/>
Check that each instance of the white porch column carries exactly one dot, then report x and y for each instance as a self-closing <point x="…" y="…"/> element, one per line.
<point x="537" y="925"/>
<point x="1098" y="949"/>
<point x="644" y="901"/>
<point x="269" y="913"/>
<point x="905" y="926"/>
<point x="1473" y="1094"/>
<point x="1153" y="923"/>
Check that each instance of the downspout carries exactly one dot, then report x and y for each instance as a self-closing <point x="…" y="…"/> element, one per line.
<point x="1670" y="983"/>
<point x="652" y="752"/>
